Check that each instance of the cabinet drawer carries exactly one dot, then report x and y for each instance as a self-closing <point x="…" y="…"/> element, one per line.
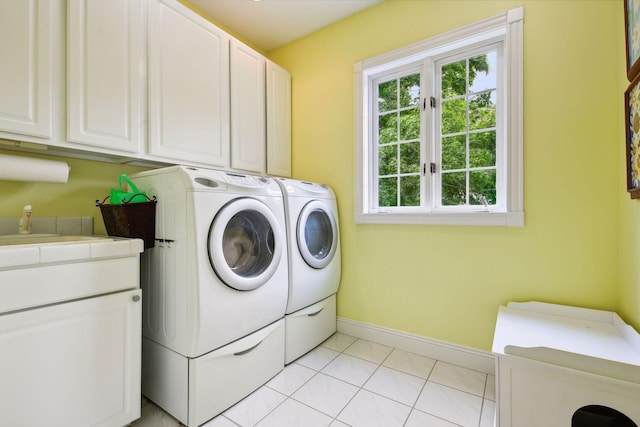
<point x="307" y="328"/>
<point x="223" y="377"/>
<point x="52" y="283"/>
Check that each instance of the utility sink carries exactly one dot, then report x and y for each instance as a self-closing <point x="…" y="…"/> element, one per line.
<point x="38" y="239"/>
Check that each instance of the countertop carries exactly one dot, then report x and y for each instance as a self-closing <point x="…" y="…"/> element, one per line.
<point x="25" y="250"/>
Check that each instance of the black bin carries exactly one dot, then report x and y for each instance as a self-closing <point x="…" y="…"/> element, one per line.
<point x="600" y="416"/>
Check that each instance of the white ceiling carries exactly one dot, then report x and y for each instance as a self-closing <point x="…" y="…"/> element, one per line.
<point x="270" y="24"/>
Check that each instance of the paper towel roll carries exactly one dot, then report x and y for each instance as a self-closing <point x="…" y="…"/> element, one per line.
<point x="16" y="168"/>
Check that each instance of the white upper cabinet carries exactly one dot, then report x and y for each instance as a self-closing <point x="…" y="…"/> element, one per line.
<point x="105" y="74"/>
<point x="278" y="120"/>
<point x="248" y="140"/>
<point x="147" y="80"/>
<point x="29" y="34"/>
<point x="188" y="74"/>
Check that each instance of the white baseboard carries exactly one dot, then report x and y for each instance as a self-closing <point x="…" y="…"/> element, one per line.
<point x="467" y="357"/>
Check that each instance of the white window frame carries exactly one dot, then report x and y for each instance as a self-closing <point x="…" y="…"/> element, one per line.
<point x="507" y="27"/>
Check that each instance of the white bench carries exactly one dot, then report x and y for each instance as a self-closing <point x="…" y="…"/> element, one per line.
<point x="552" y="360"/>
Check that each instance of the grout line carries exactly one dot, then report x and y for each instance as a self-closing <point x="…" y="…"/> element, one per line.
<point x="412" y="407"/>
<point x="271" y="411"/>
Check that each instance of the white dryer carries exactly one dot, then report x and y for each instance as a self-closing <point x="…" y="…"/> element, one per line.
<point x="313" y="235"/>
<point x="215" y="289"/>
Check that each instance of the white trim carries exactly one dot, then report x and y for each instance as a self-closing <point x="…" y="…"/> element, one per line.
<point x="467" y="357"/>
<point x="511" y="219"/>
<point x="516" y="14"/>
<point x="481" y="31"/>
<point x="515" y="162"/>
<point x="361" y="123"/>
<point x="500" y="130"/>
<point x="508" y="25"/>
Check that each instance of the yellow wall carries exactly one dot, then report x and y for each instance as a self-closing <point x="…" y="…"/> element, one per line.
<point x="447" y="282"/>
<point x="88" y="181"/>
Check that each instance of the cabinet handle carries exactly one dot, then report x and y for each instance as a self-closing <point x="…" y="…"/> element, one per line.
<point x="135" y="298"/>
<point x="316" y="313"/>
<point x="250" y="349"/>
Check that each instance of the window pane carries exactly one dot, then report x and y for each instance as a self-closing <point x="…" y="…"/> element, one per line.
<point x="409" y="124"/>
<point x="454" y="189"/>
<point x="388" y="96"/>
<point x="454" y="79"/>
<point x="482" y="183"/>
<point x="388" y="192"/>
<point x="387" y="128"/>
<point x="482" y="149"/>
<point x="482" y="110"/>
<point x="454" y="116"/>
<point x="482" y="72"/>
<point x="454" y="152"/>
<point x="410" y="157"/>
<point x="410" y="190"/>
<point x="387" y="160"/>
<point x="410" y="90"/>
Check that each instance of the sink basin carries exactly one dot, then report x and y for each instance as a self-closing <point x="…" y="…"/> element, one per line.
<point x="31" y="239"/>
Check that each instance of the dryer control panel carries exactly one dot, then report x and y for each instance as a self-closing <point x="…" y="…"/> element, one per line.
<point x="245" y="180"/>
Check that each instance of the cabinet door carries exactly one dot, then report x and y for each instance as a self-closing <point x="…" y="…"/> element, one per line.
<point x="248" y="140"/>
<point x="188" y="86"/>
<point x="106" y="73"/>
<point x="28" y="40"/>
<point x="72" y="364"/>
<point x="278" y="120"/>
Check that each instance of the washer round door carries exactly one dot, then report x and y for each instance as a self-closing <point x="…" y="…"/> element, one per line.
<point x="317" y="234"/>
<point x="244" y="244"/>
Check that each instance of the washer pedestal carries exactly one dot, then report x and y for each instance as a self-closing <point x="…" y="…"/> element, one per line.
<point x="307" y="328"/>
<point x="195" y="390"/>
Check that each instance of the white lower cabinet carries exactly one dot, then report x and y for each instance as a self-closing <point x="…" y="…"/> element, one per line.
<point x="72" y="364"/>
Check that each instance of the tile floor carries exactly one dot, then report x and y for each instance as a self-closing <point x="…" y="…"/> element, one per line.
<point x="352" y="382"/>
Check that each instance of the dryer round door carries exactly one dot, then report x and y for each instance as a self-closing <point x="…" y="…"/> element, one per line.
<point x="244" y="244"/>
<point x="317" y="234"/>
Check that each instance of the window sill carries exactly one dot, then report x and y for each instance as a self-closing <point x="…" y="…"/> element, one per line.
<point x="510" y="219"/>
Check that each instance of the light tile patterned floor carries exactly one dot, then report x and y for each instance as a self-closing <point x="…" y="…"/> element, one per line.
<point x="352" y="382"/>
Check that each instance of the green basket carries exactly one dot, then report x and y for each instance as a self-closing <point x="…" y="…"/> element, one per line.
<point x="118" y="196"/>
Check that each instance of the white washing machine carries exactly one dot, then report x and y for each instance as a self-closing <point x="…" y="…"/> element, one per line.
<point x="215" y="289"/>
<point x="313" y="235"/>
